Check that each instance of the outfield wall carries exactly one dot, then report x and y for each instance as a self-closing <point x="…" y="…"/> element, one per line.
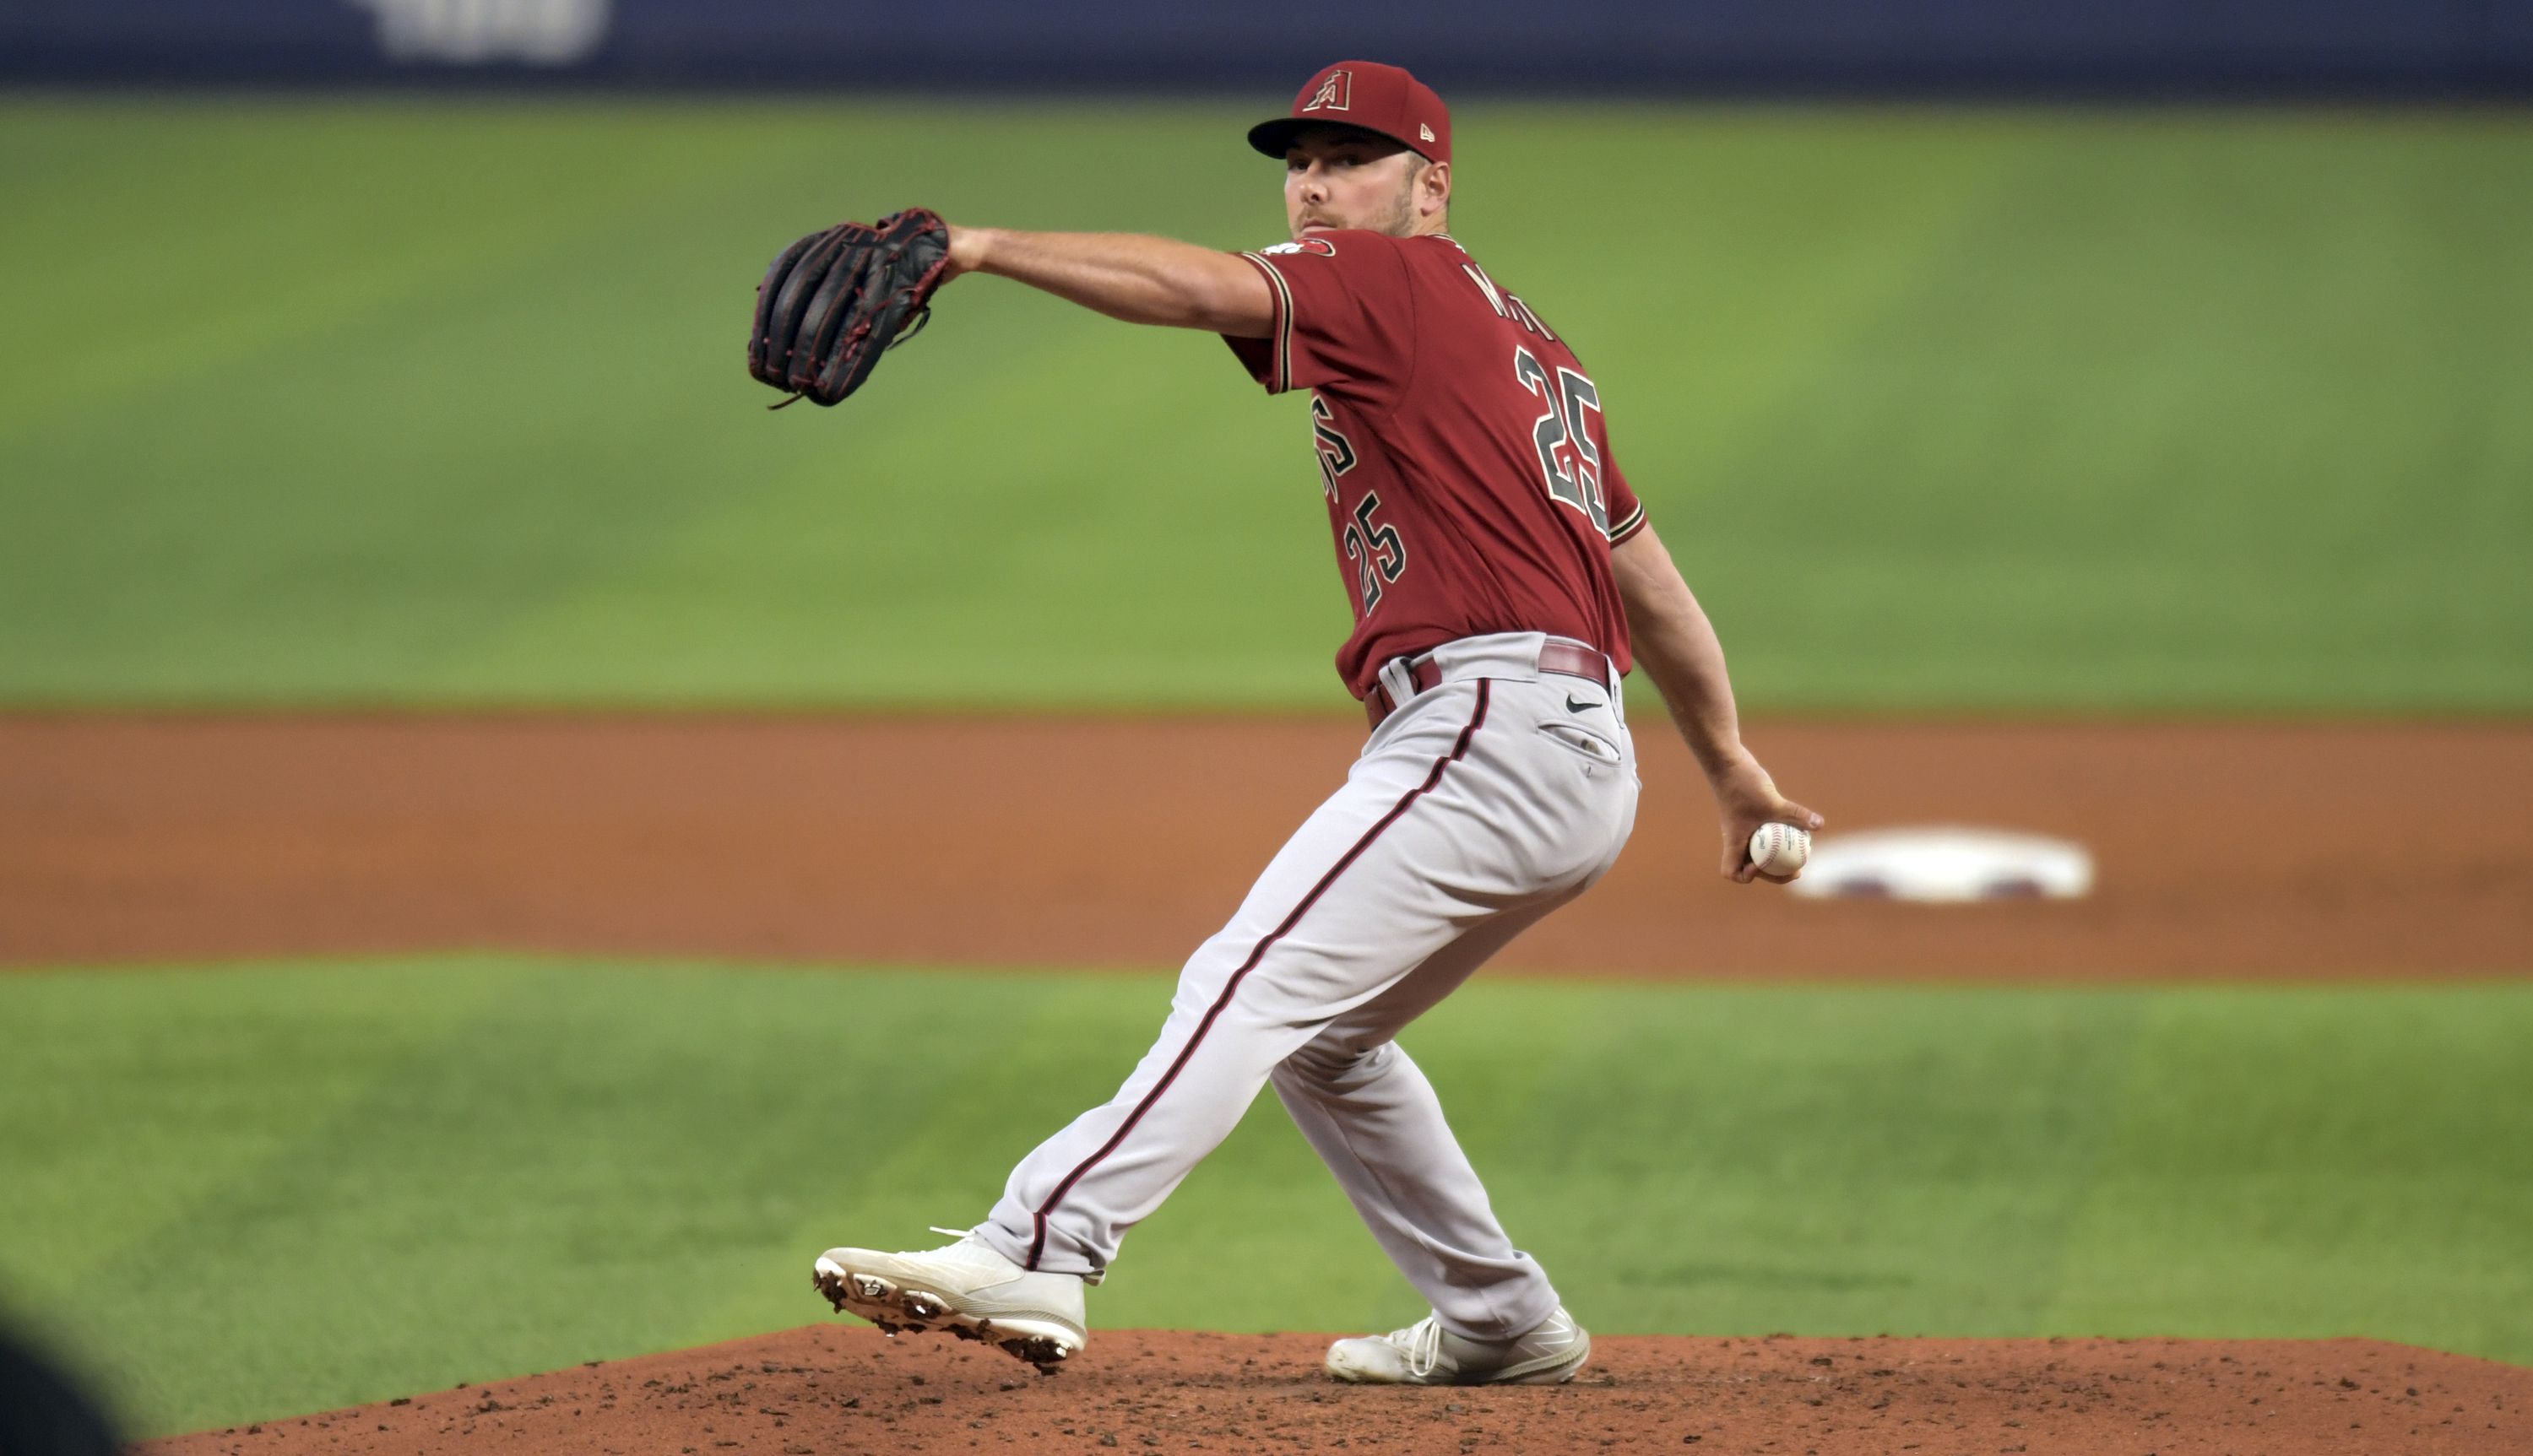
<point x="2132" y="48"/>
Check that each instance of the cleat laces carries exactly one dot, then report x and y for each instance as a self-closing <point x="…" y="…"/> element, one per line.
<point x="966" y="1249"/>
<point x="1423" y="1342"/>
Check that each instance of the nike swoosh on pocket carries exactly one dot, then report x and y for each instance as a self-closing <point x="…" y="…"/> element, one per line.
<point x="1573" y="706"/>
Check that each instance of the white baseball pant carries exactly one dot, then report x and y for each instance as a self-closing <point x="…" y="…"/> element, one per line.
<point x="1477" y="807"/>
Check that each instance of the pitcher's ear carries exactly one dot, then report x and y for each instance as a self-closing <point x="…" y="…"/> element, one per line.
<point x="1437" y="182"/>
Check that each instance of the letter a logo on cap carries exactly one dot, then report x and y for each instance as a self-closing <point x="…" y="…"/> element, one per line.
<point x="1332" y="93"/>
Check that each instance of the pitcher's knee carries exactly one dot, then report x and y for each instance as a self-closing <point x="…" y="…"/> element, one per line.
<point x="1334" y="1066"/>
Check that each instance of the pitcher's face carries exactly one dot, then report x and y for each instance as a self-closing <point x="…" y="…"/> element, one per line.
<point x="1344" y="177"/>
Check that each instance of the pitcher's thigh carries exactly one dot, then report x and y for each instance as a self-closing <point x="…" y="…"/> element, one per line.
<point x="1380" y="1018"/>
<point x="1385" y="873"/>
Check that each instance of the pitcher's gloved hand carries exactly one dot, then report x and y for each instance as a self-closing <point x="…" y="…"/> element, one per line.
<point x="835" y="301"/>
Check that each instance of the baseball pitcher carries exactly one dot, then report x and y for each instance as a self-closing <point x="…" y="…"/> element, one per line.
<point x="1504" y="579"/>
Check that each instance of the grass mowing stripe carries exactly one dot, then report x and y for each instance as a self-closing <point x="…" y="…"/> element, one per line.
<point x="878" y="532"/>
<point x="336" y="557"/>
<point x="181" y="1089"/>
<point x="570" y="1170"/>
<point x="1848" y="1161"/>
<point x="312" y="230"/>
<point x="565" y="1161"/>
<point x="2057" y="410"/>
<point x="2101" y="460"/>
<point x="131" y="1104"/>
<point x="2280" y="1166"/>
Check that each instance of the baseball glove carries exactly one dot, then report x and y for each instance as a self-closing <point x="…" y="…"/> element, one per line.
<point x="835" y="301"/>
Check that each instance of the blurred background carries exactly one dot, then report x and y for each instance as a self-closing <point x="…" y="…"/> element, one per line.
<point x="384" y="355"/>
<point x="439" y="708"/>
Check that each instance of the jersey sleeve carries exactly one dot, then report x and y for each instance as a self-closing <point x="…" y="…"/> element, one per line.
<point x="1627" y="513"/>
<point x="1344" y="314"/>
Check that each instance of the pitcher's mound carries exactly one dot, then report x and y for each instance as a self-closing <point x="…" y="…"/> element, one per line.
<point x="836" y="1389"/>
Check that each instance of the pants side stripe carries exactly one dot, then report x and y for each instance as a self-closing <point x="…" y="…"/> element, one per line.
<point x="1459" y="750"/>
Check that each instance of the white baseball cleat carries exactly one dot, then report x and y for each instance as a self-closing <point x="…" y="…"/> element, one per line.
<point x="966" y="1289"/>
<point x="1427" y="1353"/>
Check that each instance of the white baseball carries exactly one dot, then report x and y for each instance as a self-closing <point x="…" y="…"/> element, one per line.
<point x="1780" y="848"/>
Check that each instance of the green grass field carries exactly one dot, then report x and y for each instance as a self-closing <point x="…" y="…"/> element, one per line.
<point x="319" y="401"/>
<point x="441" y="403"/>
<point x="244" y="1191"/>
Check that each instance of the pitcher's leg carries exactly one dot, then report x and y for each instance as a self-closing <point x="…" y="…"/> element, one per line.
<point x="1068" y="1205"/>
<point x="1372" y="886"/>
<point x="1368" y="1109"/>
<point x="1377" y="1123"/>
<point x="1373" y="1116"/>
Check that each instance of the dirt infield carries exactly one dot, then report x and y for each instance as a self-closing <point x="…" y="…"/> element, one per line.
<point x="2227" y="851"/>
<point x="850" y="1390"/>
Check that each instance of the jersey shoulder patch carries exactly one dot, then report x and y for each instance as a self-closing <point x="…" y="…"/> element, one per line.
<point x="1321" y="246"/>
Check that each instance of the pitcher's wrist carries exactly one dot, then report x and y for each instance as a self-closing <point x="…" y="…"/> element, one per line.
<point x="968" y="247"/>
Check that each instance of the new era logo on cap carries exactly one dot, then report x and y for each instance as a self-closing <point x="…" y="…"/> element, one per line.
<point x="1331" y="95"/>
<point x="1423" y="132"/>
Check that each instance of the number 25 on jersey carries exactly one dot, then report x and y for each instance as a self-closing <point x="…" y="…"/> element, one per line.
<point x="1567" y="396"/>
<point x="1379" y="555"/>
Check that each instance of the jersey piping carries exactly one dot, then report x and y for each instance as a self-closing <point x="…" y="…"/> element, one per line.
<point x="1634" y="523"/>
<point x="1279" y="374"/>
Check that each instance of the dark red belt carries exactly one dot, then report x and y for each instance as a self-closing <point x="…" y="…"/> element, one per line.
<point x="1562" y="655"/>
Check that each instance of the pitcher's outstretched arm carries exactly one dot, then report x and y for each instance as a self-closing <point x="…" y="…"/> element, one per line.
<point x="1133" y="276"/>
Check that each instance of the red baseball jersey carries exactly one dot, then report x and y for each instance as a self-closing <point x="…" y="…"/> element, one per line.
<point x="1462" y="450"/>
